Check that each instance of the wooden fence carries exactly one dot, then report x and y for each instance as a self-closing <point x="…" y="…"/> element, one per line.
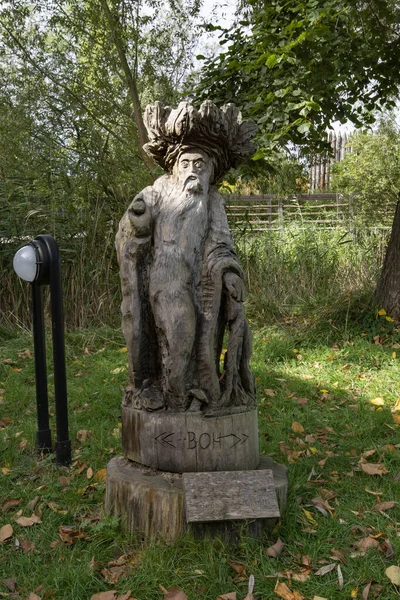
<point x="320" y="165"/>
<point x="262" y="212"/>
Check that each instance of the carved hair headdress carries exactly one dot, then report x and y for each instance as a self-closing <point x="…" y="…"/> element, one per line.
<point x="220" y="132"/>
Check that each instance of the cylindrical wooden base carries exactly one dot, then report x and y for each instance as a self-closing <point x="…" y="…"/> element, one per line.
<point x="151" y="502"/>
<point x="147" y="502"/>
<point x="188" y="442"/>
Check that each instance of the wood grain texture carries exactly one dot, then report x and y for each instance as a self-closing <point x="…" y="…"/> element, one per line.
<point x="182" y="283"/>
<point x="147" y="502"/>
<point x="182" y="442"/>
<point x="227" y="496"/>
<point x="151" y="503"/>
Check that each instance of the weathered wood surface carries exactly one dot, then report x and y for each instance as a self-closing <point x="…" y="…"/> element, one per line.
<point x="151" y="503"/>
<point x="182" y="284"/>
<point x="227" y="496"/>
<point x="148" y="503"/>
<point x="186" y="442"/>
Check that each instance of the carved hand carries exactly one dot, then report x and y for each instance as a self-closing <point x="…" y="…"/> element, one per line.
<point x="235" y="286"/>
<point x="140" y="216"/>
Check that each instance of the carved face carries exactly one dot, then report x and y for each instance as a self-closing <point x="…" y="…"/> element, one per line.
<point x="193" y="171"/>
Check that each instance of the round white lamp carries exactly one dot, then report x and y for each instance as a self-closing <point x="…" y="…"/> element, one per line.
<point x="26" y="263"/>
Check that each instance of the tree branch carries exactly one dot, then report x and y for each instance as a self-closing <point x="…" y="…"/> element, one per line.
<point x="130" y="81"/>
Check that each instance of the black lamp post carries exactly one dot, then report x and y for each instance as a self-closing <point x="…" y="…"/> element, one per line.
<point x="39" y="263"/>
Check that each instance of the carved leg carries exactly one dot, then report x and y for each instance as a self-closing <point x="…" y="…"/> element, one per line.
<point x="175" y="318"/>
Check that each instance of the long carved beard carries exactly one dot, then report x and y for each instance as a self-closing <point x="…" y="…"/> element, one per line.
<point x="192" y="194"/>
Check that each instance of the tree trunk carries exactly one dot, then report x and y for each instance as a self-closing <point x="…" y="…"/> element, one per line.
<point x="388" y="291"/>
<point x="115" y="27"/>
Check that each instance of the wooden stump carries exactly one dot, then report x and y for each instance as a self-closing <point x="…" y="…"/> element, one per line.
<point x="151" y="503"/>
<point x="188" y="442"/>
<point x="148" y="502"/>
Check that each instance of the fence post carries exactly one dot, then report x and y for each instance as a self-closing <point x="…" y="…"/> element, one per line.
<point x="269" y="212"/>
<point x="280" y="210"/>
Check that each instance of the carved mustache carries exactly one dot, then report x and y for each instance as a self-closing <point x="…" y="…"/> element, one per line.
<point x="192" y="182"/>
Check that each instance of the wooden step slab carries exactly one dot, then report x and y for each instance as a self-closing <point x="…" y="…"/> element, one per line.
<point x="230" y="495"/>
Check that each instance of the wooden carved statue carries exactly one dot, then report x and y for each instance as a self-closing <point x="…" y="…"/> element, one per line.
<point x="182" y="283"/>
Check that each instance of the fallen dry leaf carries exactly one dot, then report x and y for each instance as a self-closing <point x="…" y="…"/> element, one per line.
<point x="27" y="546"/>
<point x="249" y="595"/>
<point x="387" y="549"/>
<point x="10" y="503"/>
<point x="302" y="401"/>
<point x="113" y="574"/>
<point x="309" y="517"/>
<point x="63" y="481"/>
<point x="340" y="576"/>
<point x="6" y="532"/>
<point x="366" y="543"/>
<point x="89" y="473"/>
<point x="108" y="595"/>
<point x="323" y="506"/>
<point x="282" y="590"/>
<point x="365" y="593"/>
<point x="368" y="453"/>
<point x="304" y="574"/>
<point x="32" y="503"/>
<point x="33" y="596"/>
<point x="326" y="569"/>
<point x="377" y="401"/>
<point x="10" y="584"/>
<point x="100" y="475"/>
<point x="270" y="393"/>
<point x="83" y="434"/>
<point x="382" y="506"/>
<point x="297" y="427"/>
<point x="319" y="598"/>
<point x="396" y="407"/>
<point x="239" y="568"/>
<point x="68" y="534"/>
<point x="125" y="596"/>
<point x="173" y="594"/>
<point x="28" y="521"/>
<point x="373" y="468"/>
<point x="393" y="573"/>
<point x="274" y="550"/>
<point x="230" y="596"/>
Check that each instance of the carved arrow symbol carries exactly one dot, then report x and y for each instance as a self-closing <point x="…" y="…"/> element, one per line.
<point x="237" y="439"/>
<point x="164" y="439"/>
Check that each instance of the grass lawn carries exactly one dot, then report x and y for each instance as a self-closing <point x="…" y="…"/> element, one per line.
<point x="341" y="528"/>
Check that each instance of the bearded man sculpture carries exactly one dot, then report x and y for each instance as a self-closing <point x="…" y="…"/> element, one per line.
<point x="182" y="283"/>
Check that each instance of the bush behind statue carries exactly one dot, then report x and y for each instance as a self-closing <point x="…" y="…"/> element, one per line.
<point x="295" y="270"/>
<point x="304" y="269"/>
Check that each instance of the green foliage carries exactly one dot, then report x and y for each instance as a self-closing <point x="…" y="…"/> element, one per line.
<point x="303" y="269"/>
<point x="371" y="173"/>
<point x="294" y="67"/>
<point x="69" y="149"/>
<point x="285" y="175"/>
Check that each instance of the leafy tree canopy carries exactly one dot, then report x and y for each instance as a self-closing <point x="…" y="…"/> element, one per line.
<point x="297" y="66"/>
<point x="371" y="172"/>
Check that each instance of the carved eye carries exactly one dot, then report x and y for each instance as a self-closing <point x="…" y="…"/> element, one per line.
<point x="185" y="164"/>
<point x="198" y="164"/>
